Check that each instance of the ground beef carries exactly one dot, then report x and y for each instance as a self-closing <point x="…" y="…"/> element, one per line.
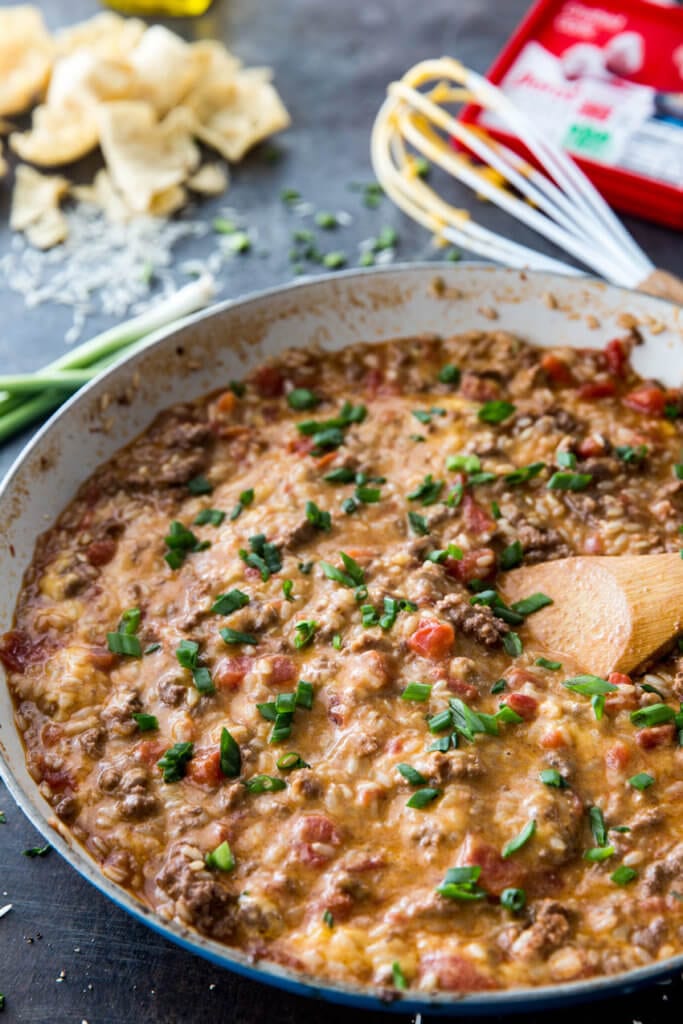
<point x="551" y="928"/>
<point x="210" y="906"/>
<point x="658" y="875"/>
<point x="541" y="544"/>
<point x="477" y="621"/>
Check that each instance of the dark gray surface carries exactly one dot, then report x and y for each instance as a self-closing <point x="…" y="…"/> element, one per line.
<point x="332" y="63"/>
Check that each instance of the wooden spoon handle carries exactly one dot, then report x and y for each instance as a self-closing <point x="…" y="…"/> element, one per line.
<point x="664" y="285"/>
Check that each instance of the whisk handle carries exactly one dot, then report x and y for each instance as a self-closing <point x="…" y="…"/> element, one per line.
<point x="664" y="285"/>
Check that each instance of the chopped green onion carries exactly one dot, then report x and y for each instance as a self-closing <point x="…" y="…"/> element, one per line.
<point x="641" y="781"/>
<point x="507" y="715"/>
<point x="531" y="604"/>
<point x="282" y="727"/>
<point x="302" y="398"/>
<point x="449" y="374"/>
<point x="552" y="666"/>
<point x="624" y="875"/>
<point x="418" y="524"/>
<point x="520" y="840"/>
<point x="421" y="798"/>
<point x="551" y="777"/>
<point x="130" y="621"/>
<point x="654" y="715"/>
<point x="467" y="463"/>
<point x="326" y="220"/>
<point x="461" y="884"/>
<point x="146" y="723"/>
<point x="649" y="688"/>
<point x="304" y="633"/>
<point x="337" y="642"/>
<point x="334" y="260"/>
<point x="368" y="495"/>
<point x="340" y="475"/>
<point x="37" y="851"/>
<point x="455" y="496"/>
<point x="320" y="519"/>
<point x="589" y="686"/>
<point x="221" y="858"/>
<point x="212" y="516"/>
<point x="174" y="761"/>
<point x="238" y="388"/>
<point x="397" y="974"/>
<point x="199" y="485"/>
<point x="303" y="698"/>
<point x="290" y="196"/>
<point x="439" y="722"/>
<point x="427" y="492"/>
<point x="630" y="455"/>
<point x="265" y="784"/>
<point x="512" y="555"/>
<point x="245" y="499"/>
<point x="201" y="677"/>
<point x="231" y="758"/>
<point x="419" y="692"/>
<point x="598" y="854"/>
<point x="386" y="239"/>
<point x="235" y="636"/>
<point x="124" y="644"/>
<point x="512" y="644"/>
<point x="482" y="478"/>
<point x="225" y="604"/>
<point x="222" y="226"/>
<point x="187" y="653"/>
<point x="411" y="775"/>
<point x="291" y="762"/>
<point x="569" y="481"/>
<point x="328" y="919"/>
<point x="287" y="588"/>
<point x="567" y="460"/>
<point x="598" y="827"/>
<point x="152" y="648"/>
<point x="181" y="542"/>
<point x="513" y="900"/>
<point x="523" y="474"/>
<point x="499" y="686"/>
<point x="495" y="411"/>
<point x="444" y="743"/>
<point x="263" y="556"/>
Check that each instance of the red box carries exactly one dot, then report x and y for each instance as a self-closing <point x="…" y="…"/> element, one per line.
<point x="604" y="78"/>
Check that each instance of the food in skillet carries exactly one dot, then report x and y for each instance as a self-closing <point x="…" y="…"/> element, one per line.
<point x="264" y="674"/>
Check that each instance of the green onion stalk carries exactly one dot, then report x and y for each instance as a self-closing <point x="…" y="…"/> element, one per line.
<point x="27" y="397"/>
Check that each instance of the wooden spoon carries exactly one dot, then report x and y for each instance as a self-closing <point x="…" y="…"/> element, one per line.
<point x="610" y="614"/>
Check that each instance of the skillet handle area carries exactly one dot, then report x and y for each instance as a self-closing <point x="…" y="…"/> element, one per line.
<point x="664" y="285"/>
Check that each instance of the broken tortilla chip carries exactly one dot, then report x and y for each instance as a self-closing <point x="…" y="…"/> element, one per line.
<point x="210" y="180"/>
<point x="83" y="80"/>
<point x="26" y="54"/>
<point x="49" y="230"/>
<point x="232" y="116"/>
<point x="146" y="157"/>
<point x="158" y="50"/>
<point x="58" y="135"/>
<point x="35" y="207"/>
<point x="107" y="36"/>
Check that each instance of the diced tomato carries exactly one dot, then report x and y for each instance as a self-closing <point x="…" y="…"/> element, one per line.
<point x="656" y="736"/>
<point x="617" y="756"/>
<point x="517" y="677"/>
<point x="284" y="670"/>
<point x="553" y="739"/>
<point x="496" y="873"/>
<point x="557" y="369"/>
<point x="18" y="650"/>
<point x="268" y="382"/>
<point x="148" y="751"/>
<point x="523" y="703"/>
<point x="477" y="519"/>
<point x="101" y="551"/>
<point x="455" y="973"/>
<point x="432" y="639"/>
<point x="226" y="402"/>
<point x="590" y="447"/>
<point x="467" y="568"/>
<point x="648" y="398"/>
<point x="459" y="686"/>
<point x="314" y="832"/>
<point x="597" y="389"/>
<point x="619" y="679"/>
<point x="300" y="445"/>
<point x="324" y="461"/>
<point x="617" y="357"/>
<point x="205" y="767"/>
<point x="228" y="673"/>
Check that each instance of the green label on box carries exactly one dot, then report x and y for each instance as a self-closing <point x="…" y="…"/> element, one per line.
<point x="584" y="138"/>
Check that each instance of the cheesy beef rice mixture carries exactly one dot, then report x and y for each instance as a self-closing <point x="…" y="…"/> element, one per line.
<point x="265" y="677"/>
